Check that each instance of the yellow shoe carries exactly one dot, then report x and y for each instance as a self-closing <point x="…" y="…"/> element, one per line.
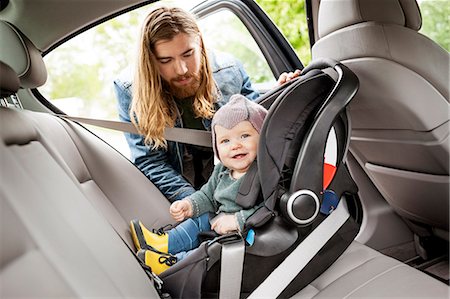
<point x="142" y="237"/>
<point x="157" y="261"/>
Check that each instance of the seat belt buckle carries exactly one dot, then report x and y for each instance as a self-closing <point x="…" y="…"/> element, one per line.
<point x="329" y="202"/>
<point x="250" y="238"/>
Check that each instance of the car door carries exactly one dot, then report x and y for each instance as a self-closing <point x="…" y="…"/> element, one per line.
<point x="243" y="29"/>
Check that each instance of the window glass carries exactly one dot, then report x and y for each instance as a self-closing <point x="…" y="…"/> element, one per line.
<point x="290" y="18"/>
<point x="435" y="21"/>
<point x="82" y="70"/>
<point x="224" y="31"/>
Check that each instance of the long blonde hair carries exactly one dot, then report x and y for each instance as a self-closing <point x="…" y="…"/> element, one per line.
<point x="153" y="107"/>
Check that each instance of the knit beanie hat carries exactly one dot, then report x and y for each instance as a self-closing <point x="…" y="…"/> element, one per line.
<point x="238" y="109"/>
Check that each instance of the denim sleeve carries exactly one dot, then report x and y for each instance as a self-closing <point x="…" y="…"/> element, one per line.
<point x="153" y="163"/>
<point x="247" y="89"/>
<point x="231" y="77"/>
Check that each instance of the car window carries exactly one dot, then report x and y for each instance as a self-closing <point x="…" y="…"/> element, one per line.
<point x="435" y="21"/>
<point x="82" y="70"/>
<point x="224" y="31"/>
<point x="290" y="18"/>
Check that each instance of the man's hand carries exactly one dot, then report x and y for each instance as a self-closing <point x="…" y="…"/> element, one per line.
<point x="286" y="77"/>
<point x="181" y="209"/>
<point x="225" y="224"/>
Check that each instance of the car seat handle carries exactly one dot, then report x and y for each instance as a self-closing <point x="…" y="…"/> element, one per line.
<point x="308" y="172"/>
<point x="320" y="64"/>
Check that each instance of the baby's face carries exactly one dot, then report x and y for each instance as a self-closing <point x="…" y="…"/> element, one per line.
<point x="237" y="147"/>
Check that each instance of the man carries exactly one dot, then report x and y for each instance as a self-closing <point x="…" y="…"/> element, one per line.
<point x="176" y="83"/>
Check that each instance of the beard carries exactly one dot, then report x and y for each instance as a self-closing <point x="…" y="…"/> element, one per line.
<point x="182" y="92"/>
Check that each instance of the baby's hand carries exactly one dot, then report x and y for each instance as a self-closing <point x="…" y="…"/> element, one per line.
<point x="180" y="210"/>
<point x="225" y="224"/>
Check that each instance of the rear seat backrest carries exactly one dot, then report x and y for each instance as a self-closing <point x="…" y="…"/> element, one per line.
<point x="21" y="256"/>
<point x="61" y="190"/>
<point x="113" y="184"/>
<point x="60" y="238"/>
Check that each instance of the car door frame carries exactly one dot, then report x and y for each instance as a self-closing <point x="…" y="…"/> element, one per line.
<point x="277" y="51"/>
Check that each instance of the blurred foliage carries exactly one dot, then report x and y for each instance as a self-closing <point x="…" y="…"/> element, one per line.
<point x="82" y="70"/>
<point x="290" y="17"/>
<point x="436" y="21"/>
<point x="224" y="32"/>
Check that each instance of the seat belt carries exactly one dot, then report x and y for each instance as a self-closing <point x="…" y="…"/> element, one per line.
<point x="183" y="135"/>
<point x="232" y="264"/>
<point x="294" y="263"/>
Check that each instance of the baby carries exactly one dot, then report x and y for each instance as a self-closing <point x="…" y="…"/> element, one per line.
<point x="235" y="136"/>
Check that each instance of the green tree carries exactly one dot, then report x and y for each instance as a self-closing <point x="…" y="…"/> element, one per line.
<point x="435" y="21"/>
<point x="84" y="68"/>
<point x="290" y="17"/>
<point x="225" y="32"/>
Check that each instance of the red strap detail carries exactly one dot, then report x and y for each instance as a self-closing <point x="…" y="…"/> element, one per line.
<point x="328" y="174"/>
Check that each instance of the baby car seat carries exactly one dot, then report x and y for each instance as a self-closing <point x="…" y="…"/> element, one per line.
<point x="311" y="210"/>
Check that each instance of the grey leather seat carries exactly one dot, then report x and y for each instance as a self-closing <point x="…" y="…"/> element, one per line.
<point x="66" y="199"/>
<point x="400" y="127"/>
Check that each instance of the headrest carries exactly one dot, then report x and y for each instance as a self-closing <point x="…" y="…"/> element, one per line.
<point x="22" y="56"/>
<point x="334" y="15"/>
<point x="9" y="82"/>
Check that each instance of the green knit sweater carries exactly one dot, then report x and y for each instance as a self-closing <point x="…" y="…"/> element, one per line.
<point x="219" y="194"/>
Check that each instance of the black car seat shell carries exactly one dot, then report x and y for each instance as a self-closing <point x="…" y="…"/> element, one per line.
<point x="288" y="178"/>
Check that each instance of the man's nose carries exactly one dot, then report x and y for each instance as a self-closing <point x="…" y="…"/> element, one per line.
<point x="181" y="67"/>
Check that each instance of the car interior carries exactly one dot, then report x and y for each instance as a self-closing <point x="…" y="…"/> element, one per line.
<point x="67" y="197"/>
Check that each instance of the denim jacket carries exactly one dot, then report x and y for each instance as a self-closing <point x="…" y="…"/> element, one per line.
<point x="164" y="166"/>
